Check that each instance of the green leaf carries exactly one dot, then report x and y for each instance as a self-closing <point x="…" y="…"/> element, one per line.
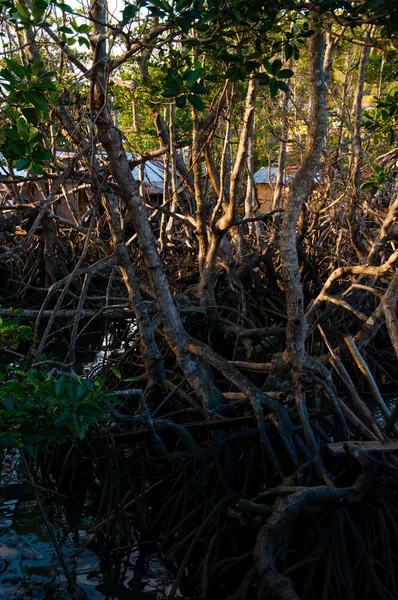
<point x="21" y="11"/>
<point x="263" y="78"/>
<point x="241" y="73"/>
<point x="85" y="28"/>
<point x="23" y="164"/>
<point x="129" y="13"/>
<point x="170" y="93"/>
<point x="47" y="75"/>
<point x="164" y="4"/>
<point x="19" y="148"/>
<point x="9" y="404"/>
<point x="60" y="385"/>
<point x="306" y="34"/>
<point x="174" y="80"/>
<point x="30" y="115"/>
<point x="282" y="85"/>
<point x="288" y="51"/>
<point x="197" y="88"/>
<point x="46" y="85"/>
<point x="192" y="76"/>
<point x="252" y="65"/>
<point x="78" y="427"/>
<point x="180" y="103"/>
<point x="276" y="66"/>
<point x="184" y="23"/>
<point x="22" y="126"/>
<point x="74" y="24"/>
<point x="285" y="73"/>
<point x="83" y="41"/>
<point x="32" y="378"/>
<point x="6" y="74"/>
<point x="32" y="438"/>
<point x="38" y="100"/>
<point x="92" y="412"/>
<point x="16" y="68"/>
<point x="64" y="7"/>
<point x="273" y="87"/>
<point x="208" y="16"/>
<point x="7" y="440"/>
<point x="87" y="384"/>
<point x="36" y="66"/>
<point x="62" y="420"/>
<point x="65" y="29"/>
<point x="267" y="65"/>
<point x="39" y="7"/>
<point x="80" y="393"/>
<point x="116" y="372"/>
<point x="29" y="450"/>
<point x="41" y="154"/>
<point x="196" y="102"/>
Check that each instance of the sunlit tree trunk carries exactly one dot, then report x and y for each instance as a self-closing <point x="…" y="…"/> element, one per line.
<point x="357" y="151"/>
<point x="300" y="190"/>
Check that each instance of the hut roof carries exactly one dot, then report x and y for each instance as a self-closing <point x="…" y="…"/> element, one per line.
<point x="153" y="171"/>
<point x="263" y="174"/>
<point x="153" y="176"/>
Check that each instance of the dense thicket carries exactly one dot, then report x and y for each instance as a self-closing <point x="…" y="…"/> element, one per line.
<point x="261" y="367"/>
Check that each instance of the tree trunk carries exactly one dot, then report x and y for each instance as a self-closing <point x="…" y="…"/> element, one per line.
<point x="357" y="152"/>
<point x="300" y="190"/>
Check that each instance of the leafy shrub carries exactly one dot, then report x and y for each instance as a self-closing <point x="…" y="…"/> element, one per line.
<point x="12" y="333"/>
<point x="37" y="408"/>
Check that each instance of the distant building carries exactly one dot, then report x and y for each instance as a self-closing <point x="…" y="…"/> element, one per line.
<point x="264" y="180"/>
<point x="153" y="177"/>
<point x="78" y="198"/>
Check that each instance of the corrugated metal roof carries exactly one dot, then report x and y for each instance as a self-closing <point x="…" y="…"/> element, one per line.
<point x="153" y="172"/>
<point x="153" y="175"/>
<point x="263" y="174"/>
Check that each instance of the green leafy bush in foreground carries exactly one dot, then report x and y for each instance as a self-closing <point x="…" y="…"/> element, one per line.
<point x="37" y="408"/>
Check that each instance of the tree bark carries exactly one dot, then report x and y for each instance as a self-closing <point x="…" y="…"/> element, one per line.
<point x="300" y="190"/>
<point x="357" y="152"/>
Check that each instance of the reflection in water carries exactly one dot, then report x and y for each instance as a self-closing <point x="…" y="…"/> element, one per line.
<point x="95" y="348"/>
<point x="29" y="567"/>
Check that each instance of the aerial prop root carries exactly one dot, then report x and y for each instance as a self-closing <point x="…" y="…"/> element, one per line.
<point x="305" y="499"/>
<point x="259" y="401"/>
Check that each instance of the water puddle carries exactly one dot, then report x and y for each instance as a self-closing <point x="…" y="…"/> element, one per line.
<point x="94" y="349"/>
<point x="29" y="567"/>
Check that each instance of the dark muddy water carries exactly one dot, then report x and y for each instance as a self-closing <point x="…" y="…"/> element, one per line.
<point x="29" y="567"/>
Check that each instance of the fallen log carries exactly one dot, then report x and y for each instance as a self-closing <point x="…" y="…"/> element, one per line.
<point x="250" y="366"/>
<point x="281" y="396"/>
<point x="109" y="313"/>
<point x="338" y="448"/>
